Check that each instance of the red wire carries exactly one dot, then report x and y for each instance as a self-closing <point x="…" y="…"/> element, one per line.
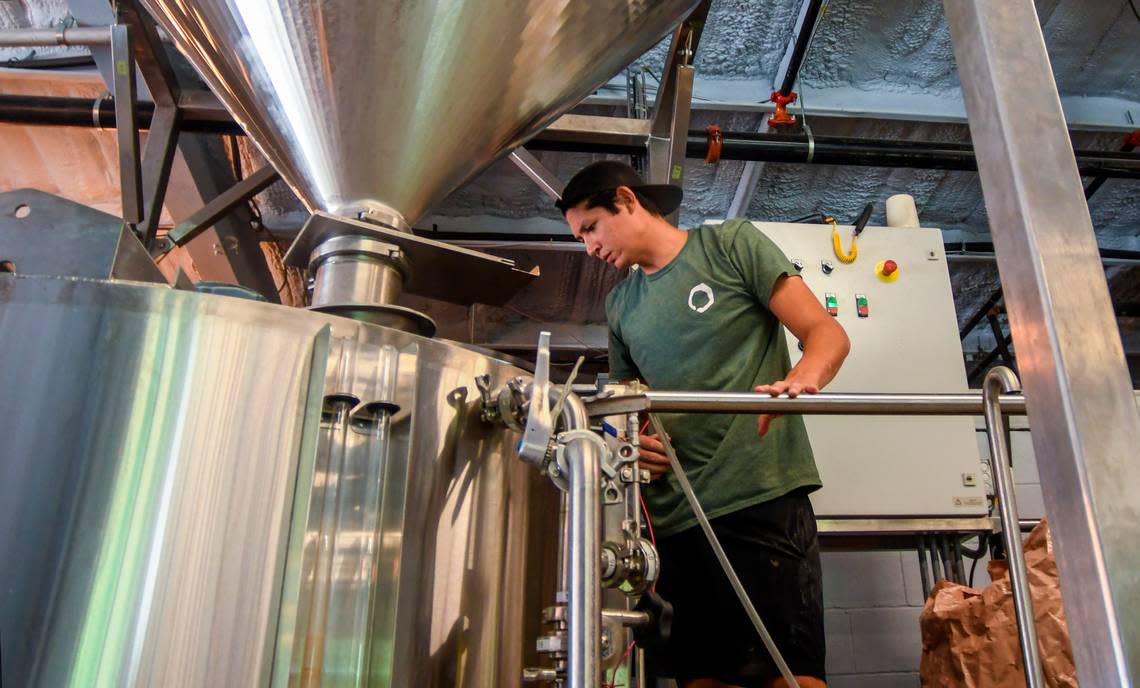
<point x="648" y="523"/>
<point x="613" y="682"/>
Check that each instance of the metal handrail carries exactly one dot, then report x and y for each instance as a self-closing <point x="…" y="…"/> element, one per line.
<point x="1002" y="380"/>
<point x="968" y="404"/>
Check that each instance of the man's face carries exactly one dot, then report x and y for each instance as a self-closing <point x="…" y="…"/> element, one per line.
<point x="608" y="236"/>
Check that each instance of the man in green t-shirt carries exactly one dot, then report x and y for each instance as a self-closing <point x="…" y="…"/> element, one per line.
<point x="705" y="310"/>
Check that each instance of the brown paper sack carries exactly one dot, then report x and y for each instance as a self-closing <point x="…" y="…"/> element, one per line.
<point x="969" y="636"/>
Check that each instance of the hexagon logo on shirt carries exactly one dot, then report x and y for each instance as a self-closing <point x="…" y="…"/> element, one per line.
<point x="701" y="298"/>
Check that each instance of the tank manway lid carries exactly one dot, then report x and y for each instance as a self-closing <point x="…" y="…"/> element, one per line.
<point x="396" y="103"/>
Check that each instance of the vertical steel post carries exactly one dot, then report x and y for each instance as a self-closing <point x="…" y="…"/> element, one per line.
<point x="669" y="129"/>
<point x="1079" y="394"/>
<point x="670" y="134"/>
<point x="998" y="381"/>
<point x="126" y="124"/>
<point x="584" y="532"/>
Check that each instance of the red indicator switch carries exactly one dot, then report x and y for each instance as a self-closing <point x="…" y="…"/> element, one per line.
<point x="832" y="304"/>
<point x="861" y="308"/>
<point x="887" y="270"/>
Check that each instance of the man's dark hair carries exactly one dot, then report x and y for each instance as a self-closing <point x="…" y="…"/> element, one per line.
<point x="608" y="199"/>
<point x="597" y="184"/>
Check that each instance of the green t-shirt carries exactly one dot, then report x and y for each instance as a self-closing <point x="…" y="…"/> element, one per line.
<point x="702" y="323"/>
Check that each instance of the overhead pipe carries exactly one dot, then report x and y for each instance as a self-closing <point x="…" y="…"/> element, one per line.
<point x="86" y="36"/>
<point x="1130" y="143"/>
<point x="853" y="152"/>
<point x="97" y="113"/>
<point x="821" y="150"/>
<point x="824" y="150"/>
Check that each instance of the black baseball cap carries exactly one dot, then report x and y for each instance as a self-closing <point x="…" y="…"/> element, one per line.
<point x="608" y="175"/>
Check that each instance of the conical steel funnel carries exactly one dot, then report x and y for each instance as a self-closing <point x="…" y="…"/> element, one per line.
<point x="396" y="103"/>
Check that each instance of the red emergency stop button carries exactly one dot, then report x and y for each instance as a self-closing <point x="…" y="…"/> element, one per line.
<point x="887" y="270"/>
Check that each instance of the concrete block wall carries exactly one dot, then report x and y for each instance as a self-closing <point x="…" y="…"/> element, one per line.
<point x="871" y="619"/>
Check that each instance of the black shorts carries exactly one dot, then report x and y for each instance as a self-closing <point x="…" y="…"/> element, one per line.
<point x="774" y="549"/>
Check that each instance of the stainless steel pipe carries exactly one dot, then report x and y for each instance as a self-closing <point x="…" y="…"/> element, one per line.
<point x="998" y="380"/>
<point x="356" y="270"/>
<point x="584" y="603"/>
<point x="625" y="617"/>
<point x="73" y="36"/>
<point x="360" y="278"/>
<point x="820" y="404"/>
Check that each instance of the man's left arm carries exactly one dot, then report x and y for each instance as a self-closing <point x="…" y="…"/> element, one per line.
<point x="825" y="342"/>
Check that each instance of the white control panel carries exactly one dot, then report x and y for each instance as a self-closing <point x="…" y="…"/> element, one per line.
<point x="904" y="339"/>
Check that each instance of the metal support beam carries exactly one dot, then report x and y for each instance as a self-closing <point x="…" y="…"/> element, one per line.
<point x="1130" y="143"/>
<point x="980" y="314"/>
<point x="682" y="51"/>
<point x="1081" y="405"/>
<point x="532" y="167"/>
<point x="216" y="209"/>
<point x="668" y="130"/>
<point x="161" y="144"/>
<point x="975" y="372"/>
<point x="150" y="54"/>
<point x="125" y="124"/>
<point x="666" y="147"/>
<point x="97" y="13"/>
<point x="158" y="156"/>
<point x="229" y="251"/>
<point x="1002" y="341"/>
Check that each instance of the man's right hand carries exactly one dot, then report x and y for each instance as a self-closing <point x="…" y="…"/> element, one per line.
<point x="653" y="457"/>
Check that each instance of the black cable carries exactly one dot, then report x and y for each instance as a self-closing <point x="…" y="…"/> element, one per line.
<point x="820" y="217"/>
<point x="976" y="555"/>
<point x="1134" y="12"/>
<point x="864" y="217"/>
<point x="923" y="573"/>
<point x="48" y="62"/>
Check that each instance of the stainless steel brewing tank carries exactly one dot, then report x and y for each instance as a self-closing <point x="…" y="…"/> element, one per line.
<point x="204" y="490"/>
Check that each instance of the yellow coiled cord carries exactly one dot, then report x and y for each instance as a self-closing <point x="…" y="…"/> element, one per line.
<point x="837" y="244"/>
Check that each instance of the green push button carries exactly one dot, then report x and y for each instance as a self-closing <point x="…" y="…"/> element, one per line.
<point x="832" y="304"/>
